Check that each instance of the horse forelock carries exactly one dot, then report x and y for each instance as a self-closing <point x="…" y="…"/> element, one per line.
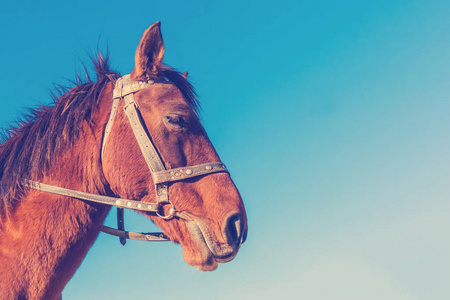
<point x="184" y="86"/>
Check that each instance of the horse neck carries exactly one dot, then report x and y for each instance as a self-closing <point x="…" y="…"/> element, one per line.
<point x="46" y="237"/>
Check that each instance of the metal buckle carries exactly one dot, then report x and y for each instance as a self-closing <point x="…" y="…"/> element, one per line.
<point x="132" y="102"/>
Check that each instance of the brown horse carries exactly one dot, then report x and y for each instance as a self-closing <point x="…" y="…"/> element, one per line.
<point x="82" y="144"/>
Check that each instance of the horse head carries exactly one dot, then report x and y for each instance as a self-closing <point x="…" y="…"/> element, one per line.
<point x="215" y="222"/>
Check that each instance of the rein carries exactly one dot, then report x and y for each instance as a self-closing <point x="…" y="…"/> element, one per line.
<point x="162" y="177"/>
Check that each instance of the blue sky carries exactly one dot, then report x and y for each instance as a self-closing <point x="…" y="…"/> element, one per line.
<point x="332" y="117"/>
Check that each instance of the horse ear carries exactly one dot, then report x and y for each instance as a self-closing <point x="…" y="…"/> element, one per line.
<point x="150" y="51"/>
<point x="184" y="74"/>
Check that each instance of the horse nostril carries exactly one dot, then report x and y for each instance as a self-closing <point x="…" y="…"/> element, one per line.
<point x="233" y="229"/>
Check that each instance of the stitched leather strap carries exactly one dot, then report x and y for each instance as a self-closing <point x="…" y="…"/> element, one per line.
<point x="151" y="156"/>
<point x="119" y="202"/>
<point x="161" y="177"/>
<point x="128" y="88"/>
<point x="149" y="151"/>
<point x="183" y="173"/>
<point x="121" y="225"/>
<point x="139" y="236"/>
<point x="110" y="123"/>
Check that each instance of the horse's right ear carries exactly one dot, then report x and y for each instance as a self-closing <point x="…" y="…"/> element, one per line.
<point x="150" y="52"/>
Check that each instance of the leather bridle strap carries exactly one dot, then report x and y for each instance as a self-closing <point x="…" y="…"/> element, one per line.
<point x="148" y="150"/>
<point x="150" y="236"/>
<point x="119" y="202"/>
<point x="114" y="201"/>
<point x="161" y="177"/>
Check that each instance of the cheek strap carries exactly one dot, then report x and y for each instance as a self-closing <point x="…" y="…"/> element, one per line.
<point x="161" y="177"/>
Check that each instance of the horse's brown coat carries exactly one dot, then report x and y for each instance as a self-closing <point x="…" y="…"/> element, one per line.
<point x="44" y="237"/>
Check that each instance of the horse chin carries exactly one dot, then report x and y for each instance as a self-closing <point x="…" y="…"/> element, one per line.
<point x="207" y="254"/>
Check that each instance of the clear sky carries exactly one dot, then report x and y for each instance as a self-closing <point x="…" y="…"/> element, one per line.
<point x="333" y="117"/>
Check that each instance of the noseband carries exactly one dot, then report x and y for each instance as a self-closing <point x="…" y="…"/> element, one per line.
<point x="162" y="177"/>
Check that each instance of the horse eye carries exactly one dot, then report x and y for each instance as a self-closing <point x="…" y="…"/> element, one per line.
<point x="176" y="120"/>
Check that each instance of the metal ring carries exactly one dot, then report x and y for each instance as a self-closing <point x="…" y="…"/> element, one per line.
<point x="171" y="211"/>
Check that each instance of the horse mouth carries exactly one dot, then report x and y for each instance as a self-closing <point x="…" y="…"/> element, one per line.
<point x="211" y="253"/>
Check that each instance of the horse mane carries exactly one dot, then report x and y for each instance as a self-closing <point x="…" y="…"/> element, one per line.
<point x="28" y="148"/>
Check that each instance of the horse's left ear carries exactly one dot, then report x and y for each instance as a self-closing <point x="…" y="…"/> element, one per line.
<point x="150" y="51"/>
<point x="184" y="74"/>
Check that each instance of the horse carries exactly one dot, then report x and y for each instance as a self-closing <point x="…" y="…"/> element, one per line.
<point x="134" y="142"/>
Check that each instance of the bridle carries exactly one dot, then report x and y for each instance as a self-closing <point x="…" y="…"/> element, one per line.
<point x="162" y="177"/>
